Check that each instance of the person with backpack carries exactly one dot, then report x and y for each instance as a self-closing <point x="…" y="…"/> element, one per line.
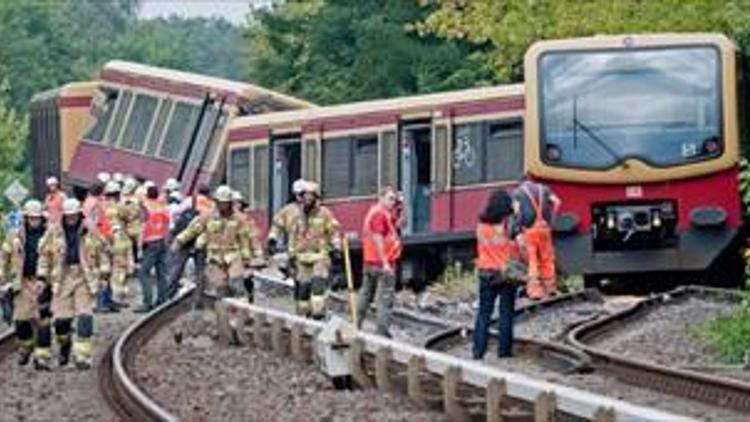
<point x="153" y="241"/>
<point x="535" y="207"/>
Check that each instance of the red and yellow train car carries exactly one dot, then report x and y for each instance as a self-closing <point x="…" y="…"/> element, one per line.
<point x="158" y="123"/>
<point x="57" y="121"/>
<point x="444" y="151"/>
<point x="639" y="136"/>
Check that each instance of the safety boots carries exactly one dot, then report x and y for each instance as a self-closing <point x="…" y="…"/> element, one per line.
<point x="64" y="357"/>
<point x="41" y="364"/>
<point x="24" y="356"/>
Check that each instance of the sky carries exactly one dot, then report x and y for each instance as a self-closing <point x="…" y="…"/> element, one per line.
<point x="232" y="10"/>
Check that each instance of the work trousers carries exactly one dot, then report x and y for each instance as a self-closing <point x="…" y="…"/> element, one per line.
<point x="383" y="287"/>
<point x="541" y="259"/>
<point x="154" y="257"/>
<point x="490" y="287"/>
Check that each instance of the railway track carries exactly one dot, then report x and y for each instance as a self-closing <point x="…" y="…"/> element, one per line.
<point x="713" y="390"/>
<point x="116" y="383"/>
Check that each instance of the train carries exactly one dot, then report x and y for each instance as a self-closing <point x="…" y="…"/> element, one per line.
<point x="637" y="134"/>
<point x="640" y="137"/>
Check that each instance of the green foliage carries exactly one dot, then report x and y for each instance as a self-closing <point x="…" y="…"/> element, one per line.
<point x="730" y="334"/>
<point x="511" y="26"/>
<point x="457" y="282"/>
<point x="13" y="135"/>
<point x="334" y="51"/>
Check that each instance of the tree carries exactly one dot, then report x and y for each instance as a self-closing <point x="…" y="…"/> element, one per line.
<point x="511" y="26"/>
<point x="13" y="135"/>
<point x="336" y="50"/>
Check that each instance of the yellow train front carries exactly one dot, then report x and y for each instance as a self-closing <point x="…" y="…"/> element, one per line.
<point x="638" y="135"/>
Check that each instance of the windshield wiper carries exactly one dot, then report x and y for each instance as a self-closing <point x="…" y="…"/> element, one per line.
<point x="599" y="141"/>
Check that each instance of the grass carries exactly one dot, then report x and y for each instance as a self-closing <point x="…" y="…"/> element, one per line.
<point x="457" y="282"/>
<point x="730" y="334"/>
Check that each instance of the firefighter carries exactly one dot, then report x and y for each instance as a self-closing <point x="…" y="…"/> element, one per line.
<point x="313" y="238"/>
<point x="54" y="200"/>
<point x="32" y="297"/>
<point x="170" y="186"/>
<point x="381" y="244"/>
<point x="278" y="235"/>
<point x="73" y="259"/>
<point x="154" y="245"/>
<point x="256" y="248"/>
<point x="103" y="178"/>
<point x="111" y="226"/>
<point x="131" y="206"/>
<point x="93" y="201"/>
<point x="199" y="204"/>
<point x="226" y="239"/>
<point x="535" y="207"/>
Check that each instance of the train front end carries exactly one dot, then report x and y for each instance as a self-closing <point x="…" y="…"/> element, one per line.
<point x="638" y="135"/>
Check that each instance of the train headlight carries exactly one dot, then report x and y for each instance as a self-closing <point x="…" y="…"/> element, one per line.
<point x="611" y="221"/>
<point x="656" y="219"/>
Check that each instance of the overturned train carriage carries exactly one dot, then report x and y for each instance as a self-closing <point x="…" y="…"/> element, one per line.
<point x="157" y="123"/>
<point x="446" y="151"/>
<point x="57" y="121"/>
<point x="639" y="137"/>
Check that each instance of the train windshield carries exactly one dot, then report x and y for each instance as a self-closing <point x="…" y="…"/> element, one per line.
<point x="660" y="106"/>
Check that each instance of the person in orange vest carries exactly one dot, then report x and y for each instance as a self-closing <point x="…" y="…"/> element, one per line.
<point x="499" y="273"/>
<point x="156" y="219"/>
<point x="535" y="207"/>
<point x="381" y="244"/>
<point x="93" y="201"/>
<point x="54" y="200"/>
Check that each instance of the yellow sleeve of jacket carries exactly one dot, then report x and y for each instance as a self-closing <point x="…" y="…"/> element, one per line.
<point x="193" y="230"/>
<point x="333" y="230"/>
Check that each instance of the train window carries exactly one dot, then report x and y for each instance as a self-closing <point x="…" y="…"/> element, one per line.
<point x="260" y="177"/>
<point x="139" y="121"/>
<point x="178" y="133"/>
<point x="365" y="165"/>
<point x="239" y="170"/>
<point x="504" y="153"/>
<point x="159" y="126"/>
<point x="336" y="167"/>
<point x="487" y="152"/>
<point x="102" y="110"/>
<point x="468" y="153"/>
<point x="122" y="110"/>
<point x="350" y="166"/>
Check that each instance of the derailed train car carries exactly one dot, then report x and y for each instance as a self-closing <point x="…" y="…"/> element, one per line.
<point x="639" y="136"/>
<point x="156" y="123"/>
<point x="445" y="151"/>
<point x="57" y="121"/>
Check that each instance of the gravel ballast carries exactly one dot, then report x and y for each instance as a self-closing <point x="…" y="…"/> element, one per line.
<point x="200" y="379"/>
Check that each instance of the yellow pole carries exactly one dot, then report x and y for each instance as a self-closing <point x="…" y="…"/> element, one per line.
<point x="350" y="280"/>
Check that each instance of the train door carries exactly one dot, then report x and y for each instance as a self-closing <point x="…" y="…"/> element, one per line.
<point x="287" y="167"/>
<point x="416" y="169"/>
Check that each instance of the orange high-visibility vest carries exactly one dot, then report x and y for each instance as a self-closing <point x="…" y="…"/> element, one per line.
<point x="157" y="220"/>
<point x="204" y="205"/>
<point x="54" y="204"/>
<point x="392" y="242"/>
<point x="493" y="247"/>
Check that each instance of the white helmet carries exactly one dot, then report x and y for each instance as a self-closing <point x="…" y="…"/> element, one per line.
<point x="237" y="196"/>
<point x="148" y="183"/>
<point x="71" y="206"/>
<point x="103" y="177"/>
<point x="129" y="185"/>
<point x="111" y="187"/>
<point x="175" y="195"/>
<point x="117" y="177"/>
<point x="298" y="187"/>
<point x="223" y="194"/>
<point x="313" y="188"/>
<point x="33" y="208"/>
<point x="52" y="180"/>
<point x="172" y="184"/>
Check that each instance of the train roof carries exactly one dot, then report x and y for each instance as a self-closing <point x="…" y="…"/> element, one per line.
<point x="190" y="84"/>
<point x="407" y="103"/>
<point x="69" y="89"/>
<point x="650" y="40"/>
